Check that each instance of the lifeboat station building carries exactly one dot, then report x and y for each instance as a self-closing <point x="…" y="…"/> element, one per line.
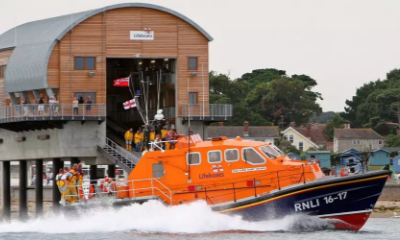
<point x="47" y="64"/>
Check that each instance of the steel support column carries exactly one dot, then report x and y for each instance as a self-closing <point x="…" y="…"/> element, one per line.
<point x="6" y="190"/>
<point x="23" y="197"/>
<point x="111" y="171"/>
<point x="39" y="187"/>
<point x="56" y="191"/>
<point x="93" y="173"/>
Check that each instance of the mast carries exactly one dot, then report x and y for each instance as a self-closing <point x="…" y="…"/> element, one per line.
<point x="189" y="156"/>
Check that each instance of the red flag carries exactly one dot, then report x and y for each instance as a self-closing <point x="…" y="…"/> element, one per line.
<point x="121" y="82"/>
<point x="129" y="104"/>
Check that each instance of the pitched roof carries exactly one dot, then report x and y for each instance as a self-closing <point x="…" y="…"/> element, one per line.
<point x="356" y="133"/>
<point x="316" y="133"/>
<point x="234" y="131"/>
<point x="33" y="43"/>
<point x="389" y="149"/>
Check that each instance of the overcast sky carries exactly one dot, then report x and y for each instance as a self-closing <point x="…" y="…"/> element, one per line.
<point x="340" y="43"/>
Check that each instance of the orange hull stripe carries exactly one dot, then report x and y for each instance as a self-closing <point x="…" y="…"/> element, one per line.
<point x="301" y="191"/>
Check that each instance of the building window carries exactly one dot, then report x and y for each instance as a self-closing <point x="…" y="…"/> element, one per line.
<point x="214" y="157"/>
<point x="193" y="98"/>
<point x="2" y="71"/>
<point x="83" y="96"/>
<point x="285" y="137"/>
<point x="301" y="146"/>
<point x="251" y="156"/>
<point x="231" y="155"/>
<point x="355" y="142"/>
<point x="192" y="63"/>
<point x="380" y="142"/>
<point x="85" y="63"/>
<point x="193" y="158"/>
<point x="291" y="139"/>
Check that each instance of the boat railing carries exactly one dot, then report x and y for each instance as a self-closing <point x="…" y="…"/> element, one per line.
<point x="116" y="189"/>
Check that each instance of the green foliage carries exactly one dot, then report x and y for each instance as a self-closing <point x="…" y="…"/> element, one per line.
<point x="376" y="103"/>
<point x="287" y="147"/>
<point x="330" y="127"/>
<point x="392" y="140"/>
<point x="324" y="117"/>
<point x="266" y="97"/>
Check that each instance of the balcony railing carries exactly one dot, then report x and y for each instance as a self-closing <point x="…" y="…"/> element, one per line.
<point x="33" y="112"/>
<point x="207" y="111"/>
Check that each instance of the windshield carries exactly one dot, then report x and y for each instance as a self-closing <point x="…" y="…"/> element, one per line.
<point x="269" y="151"/>
<point x="278" y="150"/>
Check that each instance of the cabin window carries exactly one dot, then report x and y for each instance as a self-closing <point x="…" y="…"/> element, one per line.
<point x="158" y="170"/>
<point x="301" y="146"/>
<point x="214" y="157"/>
<point x="193" y="158"/>
<point x="269" y="152"/>
<point x="192" y="63"/>
<point x="231" y="155"/>
<point x="85" y="63"/>
<point x="251" y="156"/>
<point x="2" y="71"/>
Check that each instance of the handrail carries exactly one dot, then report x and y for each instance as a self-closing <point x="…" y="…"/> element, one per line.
<point x="121" y="151"/>
<point x="207" y="110"/>
<point x="52" y="111"/>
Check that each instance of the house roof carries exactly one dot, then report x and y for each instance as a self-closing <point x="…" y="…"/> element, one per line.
<point x="304" y="135"/>
<point x="356" y="133"/>
<point x="234" y="131"/>
<point x="389" y="149"/>
<point x="33" y="43"/>
<point x="316" y="133"/>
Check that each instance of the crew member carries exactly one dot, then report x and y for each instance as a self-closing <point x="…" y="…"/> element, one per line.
<point x="72" y="180"/>
<point x="128" y="139"/>
<point x="141" y="137"/>
<point x="61" y="183"/>
<point x="152" y="135"/>
<point x="137" y="141"/>
<point x="157" y="146"/>
<point x="80" y="175"/>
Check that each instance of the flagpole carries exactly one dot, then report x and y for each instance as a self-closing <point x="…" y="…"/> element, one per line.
<point x="202" y="74"/>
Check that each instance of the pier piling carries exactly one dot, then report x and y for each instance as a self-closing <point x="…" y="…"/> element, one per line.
<point x="6" y="191"/>
<point x="39" y="187"/>
<point x="23" y="197"/>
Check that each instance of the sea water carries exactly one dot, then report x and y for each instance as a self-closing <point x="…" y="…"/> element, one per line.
<point x="153" y="220"/>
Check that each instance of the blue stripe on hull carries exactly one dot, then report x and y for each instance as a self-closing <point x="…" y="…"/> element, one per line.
<point x="358" y="196"/>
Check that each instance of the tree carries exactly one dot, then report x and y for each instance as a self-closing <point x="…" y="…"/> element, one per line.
<point x="330" y="127"/>
<point x="392" y="140"/>
<point x="265" y="96"/>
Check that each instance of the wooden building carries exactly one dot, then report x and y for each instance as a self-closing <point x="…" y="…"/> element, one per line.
<point x="79" y="55"/>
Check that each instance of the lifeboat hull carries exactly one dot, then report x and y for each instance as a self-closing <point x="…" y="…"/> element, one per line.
<point x="346" y="202"/>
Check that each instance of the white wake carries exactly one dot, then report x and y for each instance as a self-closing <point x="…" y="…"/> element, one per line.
<point x="153" y="216"/>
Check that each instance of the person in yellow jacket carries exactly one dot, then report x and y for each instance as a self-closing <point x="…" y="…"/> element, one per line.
<point x="152" y="135"/>
<point x="61" y="184"/>
<point x="72" y="182"/>
<point x="141" y="137"/>
<point x="137" y="141"/>
<point x="128" y="139"/>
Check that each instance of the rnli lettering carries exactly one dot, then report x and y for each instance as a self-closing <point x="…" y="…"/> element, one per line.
<point x="301" y="206"/>
<point x="210" y="175"/>
<point x="306" y="205"/>
<point x="249" y="169"/>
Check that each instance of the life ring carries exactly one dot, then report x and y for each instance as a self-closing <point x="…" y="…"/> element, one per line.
<point x="86" y="192"/>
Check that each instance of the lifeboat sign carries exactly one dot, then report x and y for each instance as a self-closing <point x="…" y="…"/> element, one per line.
<point x="147" y="34"/>
<point x="249" y="169"/>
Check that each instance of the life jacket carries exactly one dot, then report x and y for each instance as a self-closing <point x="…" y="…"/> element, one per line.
<point x="128" y="136"/>
<point x="59" y="180"/>
<point x="137" y="137"/>
<point x="163" y="132"/>
<point x="344" y="172"/>
<point x="152" y="136"/>
<point x="86" y="192"/>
